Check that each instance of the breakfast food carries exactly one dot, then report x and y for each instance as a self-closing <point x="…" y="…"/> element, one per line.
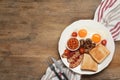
<point x="88" y="63"/>
<point x="82" y="32"/>
<point x="74" y="34"/>
<point x="86" y="45"/>
<point x="99" y="53"/>
<point x="73" y="44"/>
<point x="89" y="52"/>
<point x="96" y="38"/>
<point x="76" y="63"/>
<point x="104" y="42"/>
<point x="66" y="53"/>
<point x="75" y="59"/>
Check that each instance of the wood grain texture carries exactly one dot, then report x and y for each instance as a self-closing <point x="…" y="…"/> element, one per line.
<point x="30" y="31"/>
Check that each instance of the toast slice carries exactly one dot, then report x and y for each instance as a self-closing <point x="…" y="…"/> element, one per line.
<point x="88" y="63"/>
<point x="99" y="53"/>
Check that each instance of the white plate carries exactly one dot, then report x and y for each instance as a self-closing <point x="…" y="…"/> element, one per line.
<point x="91" y="27"/>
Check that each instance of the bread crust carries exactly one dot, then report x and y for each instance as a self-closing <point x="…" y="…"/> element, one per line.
<point x="99" y="53"/>
<point x="88" y="63"/>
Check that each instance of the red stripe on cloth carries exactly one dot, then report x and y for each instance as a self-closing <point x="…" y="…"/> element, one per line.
<point x="115" y="36"/>
<point x="109" y="4"/>
<point x="115" y="27"/>
<point x="112" y="3"/>
<point x="101" y="8"/>
<point x="106" y="4"/>
<point x="99" y="11"/>
<point x="115" y="31"/>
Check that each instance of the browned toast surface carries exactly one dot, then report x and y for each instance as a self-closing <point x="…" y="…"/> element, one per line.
<point x="99" y="53"/>
<point x="88" y="63"/>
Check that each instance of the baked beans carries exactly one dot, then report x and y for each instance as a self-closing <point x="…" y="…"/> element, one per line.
<point x="73" y="44"/>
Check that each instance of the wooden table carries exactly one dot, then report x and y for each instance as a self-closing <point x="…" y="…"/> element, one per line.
<point x="30" y="31"/>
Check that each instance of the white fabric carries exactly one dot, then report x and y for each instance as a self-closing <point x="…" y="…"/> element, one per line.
<point x="108" y="13"/>
<point x="49" y="75"/>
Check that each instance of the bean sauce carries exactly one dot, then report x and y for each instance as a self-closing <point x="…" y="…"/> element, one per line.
<point x="73" y="43"/>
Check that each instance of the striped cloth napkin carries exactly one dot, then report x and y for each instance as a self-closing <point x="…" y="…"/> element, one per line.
<point x="49" y="75"/>
<point x="108" y="13"/>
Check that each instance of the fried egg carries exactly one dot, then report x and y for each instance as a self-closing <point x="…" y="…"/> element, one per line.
<point x="96" y="38"/>
<point x="82" y="33"/>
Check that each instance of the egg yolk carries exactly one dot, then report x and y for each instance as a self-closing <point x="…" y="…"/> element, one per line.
<point x="82" y="33"/>
<point x="96" y="38"/>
